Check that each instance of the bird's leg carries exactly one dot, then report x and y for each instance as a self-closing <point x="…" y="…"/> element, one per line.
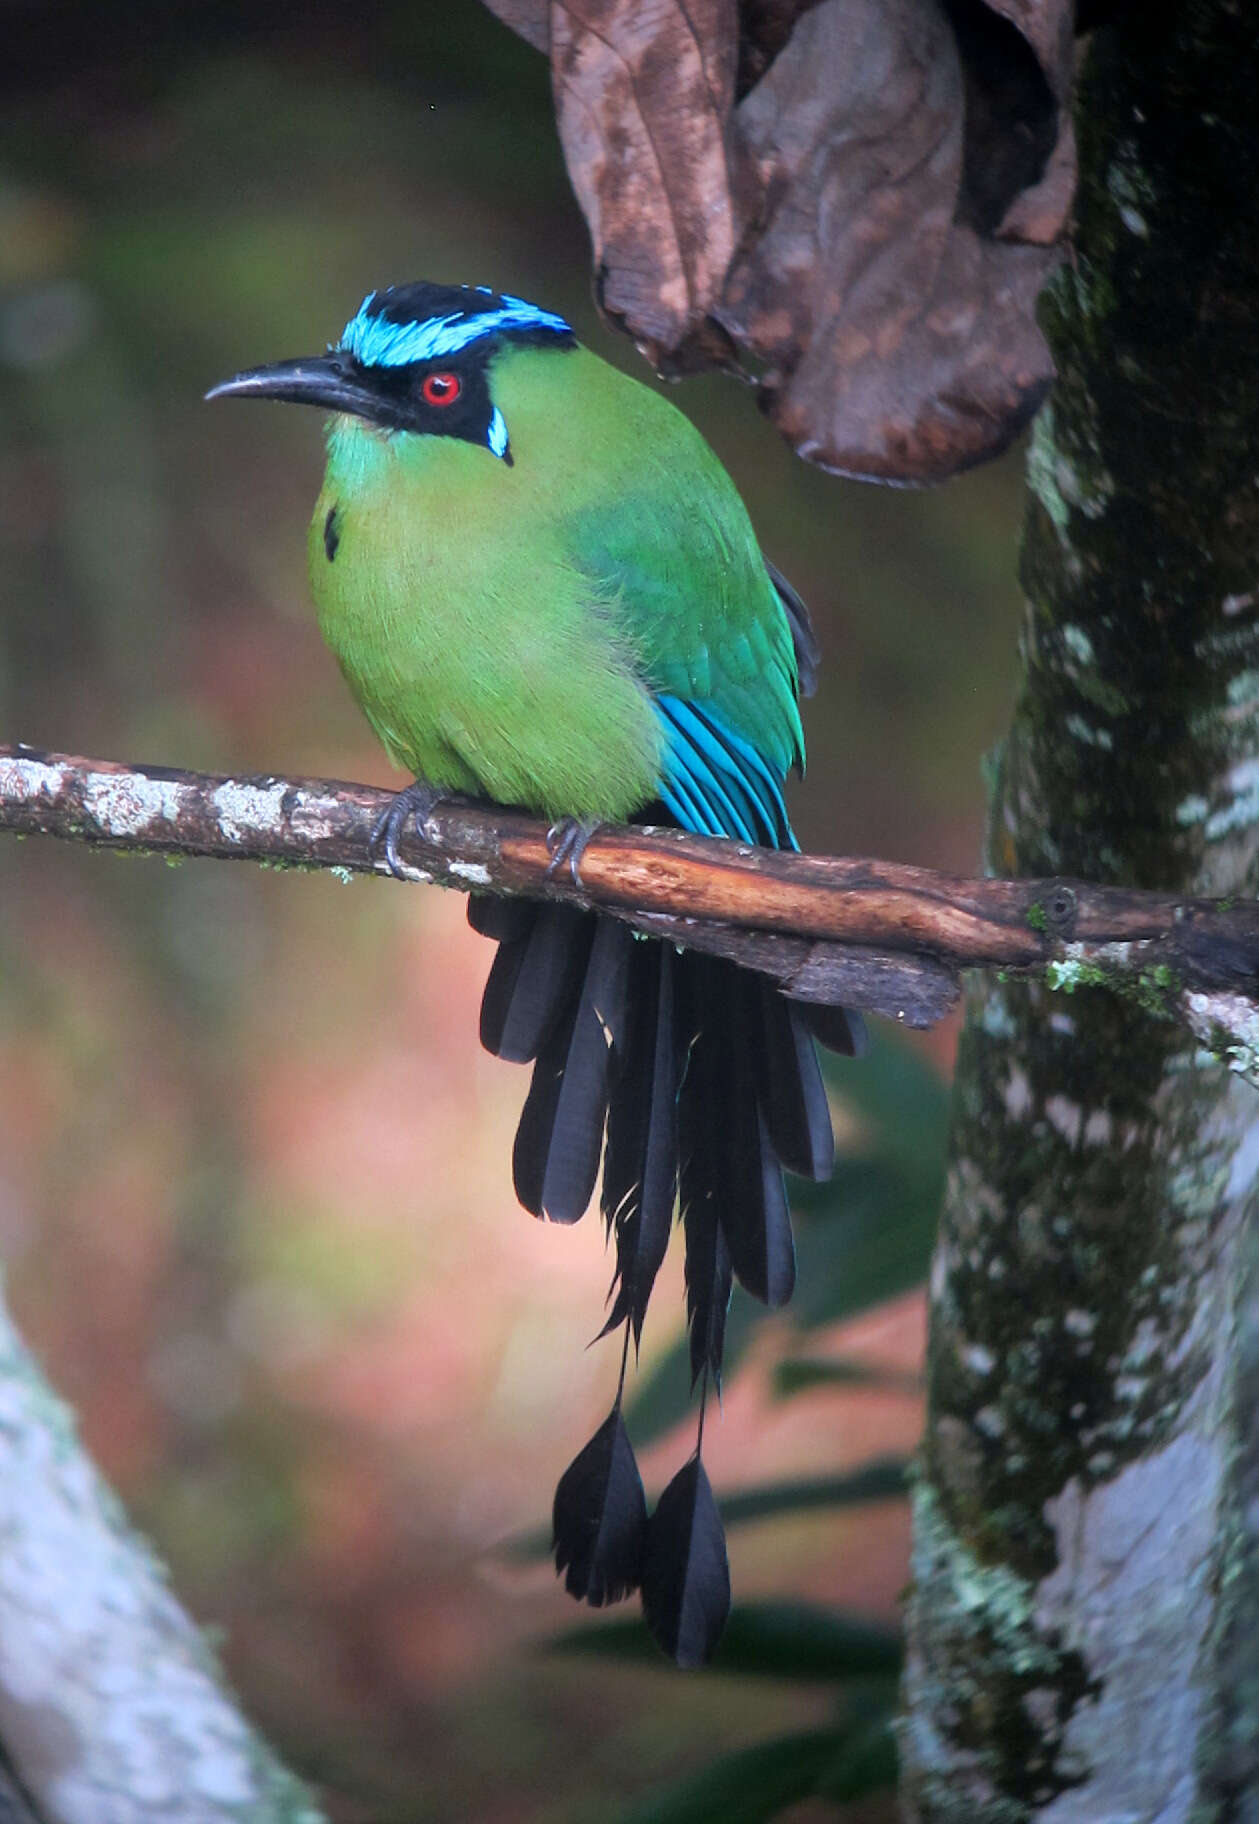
<point x="414" y="802"/>
<point x="568" y="842"/>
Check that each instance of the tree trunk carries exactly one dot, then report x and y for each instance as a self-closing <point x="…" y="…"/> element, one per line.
<point x="1084" y="1620"/>
<point x="112" y="1708"/>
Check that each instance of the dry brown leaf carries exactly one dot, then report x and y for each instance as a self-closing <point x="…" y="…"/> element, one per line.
<point x="529" y="19"/>
<point x="862" y="198"/>
<point x="899" y="342"/>
<point x="643" y="96"/>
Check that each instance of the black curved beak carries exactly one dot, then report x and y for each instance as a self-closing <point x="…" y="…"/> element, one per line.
<point x="325" y="380"/>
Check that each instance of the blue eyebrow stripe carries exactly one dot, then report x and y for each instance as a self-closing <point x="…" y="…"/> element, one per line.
<point x="375" y="341"/>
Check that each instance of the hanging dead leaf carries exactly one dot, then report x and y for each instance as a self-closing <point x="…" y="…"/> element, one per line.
<point x="899" y="341"/>
<point x="859" y="200"/>
<point x="643" y="97"/>
<point x="529" y="19"/>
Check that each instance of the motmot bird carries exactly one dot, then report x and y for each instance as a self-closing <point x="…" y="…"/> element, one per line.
<point x="544" y="589"/>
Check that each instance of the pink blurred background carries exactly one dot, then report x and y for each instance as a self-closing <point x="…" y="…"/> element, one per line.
<point x="255" y="1203"/>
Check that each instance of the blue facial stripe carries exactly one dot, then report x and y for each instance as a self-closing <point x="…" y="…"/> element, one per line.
<point x="714" y="781"/>
<point x="376" y="342"/>
<point x="496" y="437"/>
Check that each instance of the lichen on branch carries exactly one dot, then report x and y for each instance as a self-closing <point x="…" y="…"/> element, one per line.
<point x="875" y="935"/>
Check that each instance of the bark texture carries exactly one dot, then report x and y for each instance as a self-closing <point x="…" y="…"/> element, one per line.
<point x="854" y="203"/>
<point x="876" y="935"/>
<point x="1083" y="1638"/>
<point x="112" y="1710"/>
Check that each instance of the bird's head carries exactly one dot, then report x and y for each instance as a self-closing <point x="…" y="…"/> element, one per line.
<point x="415" y="358"/>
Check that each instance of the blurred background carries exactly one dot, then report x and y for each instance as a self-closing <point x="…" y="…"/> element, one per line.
<point x="256" y="1214"/>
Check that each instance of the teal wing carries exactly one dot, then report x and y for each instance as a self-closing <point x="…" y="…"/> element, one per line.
<point x="692" y="597"/>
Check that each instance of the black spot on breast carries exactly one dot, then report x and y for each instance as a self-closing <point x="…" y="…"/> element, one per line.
<point x="331" y="537"/>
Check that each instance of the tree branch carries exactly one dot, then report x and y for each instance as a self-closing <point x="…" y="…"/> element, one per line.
<point x="112" y="1706"/>
<point x="876" y="935"/>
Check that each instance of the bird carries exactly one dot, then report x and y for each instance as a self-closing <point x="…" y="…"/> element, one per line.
<point x="545" y="591"/>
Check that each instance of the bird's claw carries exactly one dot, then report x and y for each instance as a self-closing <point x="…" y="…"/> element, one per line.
<point x="415" y="803"/>
<point x="568" y="842"/>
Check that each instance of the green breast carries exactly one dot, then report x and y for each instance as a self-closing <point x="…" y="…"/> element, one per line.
<point x="505" y="628"/>
<point x="477" y="651"/>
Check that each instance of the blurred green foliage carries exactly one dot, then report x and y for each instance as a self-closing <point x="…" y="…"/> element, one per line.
<point x="863" y="1237"/>
<point x="850" y="1760"/>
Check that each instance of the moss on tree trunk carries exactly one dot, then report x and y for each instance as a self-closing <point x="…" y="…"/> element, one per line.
<point x="1084" y="1620"/>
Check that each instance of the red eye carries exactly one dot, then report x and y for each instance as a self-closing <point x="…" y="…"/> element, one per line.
<point x="440" y="389"/>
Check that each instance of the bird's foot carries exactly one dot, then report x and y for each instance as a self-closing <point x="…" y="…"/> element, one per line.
<point x="568" y="842"/>
<point x="415" y="803"/>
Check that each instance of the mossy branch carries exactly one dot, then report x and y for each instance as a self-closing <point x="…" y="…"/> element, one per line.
<point x="877" y="935"/>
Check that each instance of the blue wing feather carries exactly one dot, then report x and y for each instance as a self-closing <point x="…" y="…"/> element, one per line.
<point x="715" y="782"/>
<point x="676" y="794"/>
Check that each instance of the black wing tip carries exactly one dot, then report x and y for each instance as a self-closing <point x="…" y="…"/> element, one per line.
<point x="803" y="637"/>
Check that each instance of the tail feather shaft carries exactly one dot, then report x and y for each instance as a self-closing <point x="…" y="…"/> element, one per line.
<point x="696" y="1083"/>
<point x="640" y="1161"/>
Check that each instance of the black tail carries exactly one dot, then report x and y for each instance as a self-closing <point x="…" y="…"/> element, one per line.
<point x="697" y="1083"/>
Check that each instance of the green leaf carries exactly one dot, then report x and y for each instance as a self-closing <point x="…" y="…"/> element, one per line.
<point x="799" y="1373"/>
<point x="884" y="1479"/>
<point x="867" y="1234"/>
<point x="902" y="1106"/>
<point x="878" y="1247"/>
<point x="866" y="1762"/>
<point x="846" y="1761"/>
<point x="747" y="1787"/>
<point x="901" y="1097"/>
<point x="872" y="1247"/>
<point x="793" y="1640"/>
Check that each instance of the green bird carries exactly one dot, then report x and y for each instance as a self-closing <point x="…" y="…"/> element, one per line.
<point x="545" y="591"/>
